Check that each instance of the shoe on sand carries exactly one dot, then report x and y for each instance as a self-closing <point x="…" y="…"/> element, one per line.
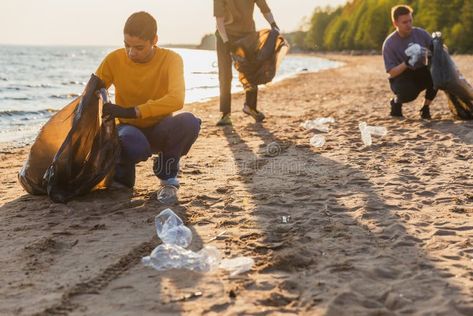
<point x="254" y="113"/>
<point x="226" y="120"/>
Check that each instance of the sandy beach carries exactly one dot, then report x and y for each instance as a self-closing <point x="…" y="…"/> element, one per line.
<point x="380" y="230"/>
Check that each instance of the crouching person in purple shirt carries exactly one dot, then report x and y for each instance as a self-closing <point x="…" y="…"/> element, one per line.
<point x="405" y="59"/>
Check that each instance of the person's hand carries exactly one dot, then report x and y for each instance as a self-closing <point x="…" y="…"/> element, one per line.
<point x="229" y="46"/>
<point x="118" y="111"/>
<point x="275" y="27"/>
<point x="409" y="61"/>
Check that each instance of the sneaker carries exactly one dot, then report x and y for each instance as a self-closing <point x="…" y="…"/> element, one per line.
<point x="396" y="109"/>
<point x="425" y="112"/>
<point x="167" y="194"/>
<point x="225" y="120"/>
<point x="254" y="113"/>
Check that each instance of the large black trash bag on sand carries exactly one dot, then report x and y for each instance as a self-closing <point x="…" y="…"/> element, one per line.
<point x="75" y="151"/>
<point x="258" y="57"/>
<point x="447" y="77"/>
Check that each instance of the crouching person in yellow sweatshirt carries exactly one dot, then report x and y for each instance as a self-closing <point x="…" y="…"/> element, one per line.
<point x="149" y="87"/>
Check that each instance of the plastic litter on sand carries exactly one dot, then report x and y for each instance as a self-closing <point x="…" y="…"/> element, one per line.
<point x="366" y="132"/>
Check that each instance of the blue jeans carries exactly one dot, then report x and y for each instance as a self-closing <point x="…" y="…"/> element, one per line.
<point x="171" y="138"/>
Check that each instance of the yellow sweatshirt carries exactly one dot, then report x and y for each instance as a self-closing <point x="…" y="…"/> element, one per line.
<point x="157" y="87"/>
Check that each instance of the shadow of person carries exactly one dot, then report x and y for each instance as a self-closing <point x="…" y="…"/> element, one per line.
<point x="72" y="257"/>
<point x="333" y="236"/>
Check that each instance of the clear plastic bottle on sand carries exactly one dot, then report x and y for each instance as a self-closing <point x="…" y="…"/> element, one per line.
<point x="367" y="131"/>
<point x="237" y="265"/>
<point x="167" y="194"/>
<point x="171" y="230"/>
<point x="166" y="257"/>
<point x="317" y="140"/>
<point x="320" y="124"/>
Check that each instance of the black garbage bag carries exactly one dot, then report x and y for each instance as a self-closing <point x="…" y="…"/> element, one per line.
<point x="76" y="150"/>
<point x="259" y="56"/>
<point x="447" y="77"/>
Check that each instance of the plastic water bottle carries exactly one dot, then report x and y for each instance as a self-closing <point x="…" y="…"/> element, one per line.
<point x="167" y="194"/>
<point x="320" y="124"/>
<point x="367" y="131"/>
<point x="317" y="141"/>
<point x="237" y="265"/>
<point x="171" y="230"/>
<point x="166" y="257"/>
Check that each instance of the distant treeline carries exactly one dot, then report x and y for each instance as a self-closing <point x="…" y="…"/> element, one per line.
<point x="364" y="24"/>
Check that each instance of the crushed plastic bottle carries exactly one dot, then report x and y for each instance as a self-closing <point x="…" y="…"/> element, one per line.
<point x="172" y="230"/>
<point x="165" y="257"/>
<point x="237" y="265"/>
<point x="416" y="53"/>
<point x="173" y="255"/>
<point x="317" y="140"/>
<point x="367" y="131"/>
<point x="167" y="194"/>
<point x="320" y="124"/>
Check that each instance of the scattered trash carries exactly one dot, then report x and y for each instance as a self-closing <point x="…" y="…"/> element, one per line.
<point x="317" y="140"/>
<point x="172" y="230"/>
<point x="219" y="236"/>
<point x="416" y="52"/>
<point x="187" y="297"/>
<point x="173" y="255"/>
<point x="237" y="265"/>
<point x="165" y="257"/>
<point x="367" y="131"/>
<point x="286" y="219"/>
<point x="167" y="194"/>
<point x="320" y="124"/>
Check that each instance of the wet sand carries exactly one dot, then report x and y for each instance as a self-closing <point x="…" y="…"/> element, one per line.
<point x="383" y="230"/>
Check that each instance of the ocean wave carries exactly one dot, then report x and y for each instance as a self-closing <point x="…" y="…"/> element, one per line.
<point x="17" y="98"/>
<point x="64" y="96"/>
<point x="22" y="114"/>
<point x="72" y="83"/>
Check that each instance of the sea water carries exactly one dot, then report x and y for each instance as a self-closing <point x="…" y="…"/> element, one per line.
<point x="36" y="81"/>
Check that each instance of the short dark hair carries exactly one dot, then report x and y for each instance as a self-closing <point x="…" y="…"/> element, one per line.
<point x="141" y="24"/>
<point x="399" y="10"/>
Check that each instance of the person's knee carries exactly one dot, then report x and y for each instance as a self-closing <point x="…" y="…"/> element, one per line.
<point x="190" y="123"/>
<point x="134" y="145"/>
<point x="408" y="96"/>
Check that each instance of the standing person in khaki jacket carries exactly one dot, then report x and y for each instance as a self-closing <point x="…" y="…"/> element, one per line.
<point x="234" y="21"/>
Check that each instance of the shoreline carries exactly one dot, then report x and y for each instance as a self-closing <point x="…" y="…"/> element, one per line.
<point x="338" y="230"/>
<point x="25" y="143"/>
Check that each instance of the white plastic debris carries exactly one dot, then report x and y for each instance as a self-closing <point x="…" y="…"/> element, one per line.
<point x="237" y="265"/>
<point x="172" y="230"/>
<point x="416" y="53"/>
<point x="367" y="131"/>
<point x="320" y="124"/>
<point x="173" y="255"/>
<point x="165" y="257"/>
<point x="317" y="140"/>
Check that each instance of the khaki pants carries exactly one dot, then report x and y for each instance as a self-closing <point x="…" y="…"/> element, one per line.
<point x="225" y="77"/>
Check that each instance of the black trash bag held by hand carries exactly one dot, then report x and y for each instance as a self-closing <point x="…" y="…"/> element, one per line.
<point x="75" y="151"/>
<point x="447" y="77"/>
<point x="259" y="56"/>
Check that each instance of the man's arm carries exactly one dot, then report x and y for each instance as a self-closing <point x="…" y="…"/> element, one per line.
<point x="270" y="18"/>
<point x="221" y="28"/>
<point x="173" y="100"/>
<point x="266" y="11"/>
<point x="399" y="69"/>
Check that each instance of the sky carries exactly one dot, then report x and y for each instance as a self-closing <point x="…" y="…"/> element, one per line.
<point x="100" y="22"/>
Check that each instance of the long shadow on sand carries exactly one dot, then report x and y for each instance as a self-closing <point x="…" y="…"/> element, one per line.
<point x="61" y="258"/>
<point x="344" y="249"/>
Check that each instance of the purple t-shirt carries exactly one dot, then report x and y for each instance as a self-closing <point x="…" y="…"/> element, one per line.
<point x="394" y="47"/>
